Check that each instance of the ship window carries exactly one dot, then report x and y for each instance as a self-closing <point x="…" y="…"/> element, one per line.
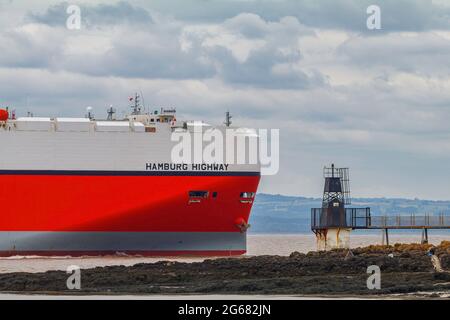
<point x="198" y="194"/>
<point x="247" y="195"/>
<point x="214" y="194"/>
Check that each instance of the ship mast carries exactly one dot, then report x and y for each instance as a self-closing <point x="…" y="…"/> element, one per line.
<point x="136" y="107"/>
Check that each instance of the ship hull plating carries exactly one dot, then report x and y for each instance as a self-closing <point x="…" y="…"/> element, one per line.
<point x="102" y="212"/>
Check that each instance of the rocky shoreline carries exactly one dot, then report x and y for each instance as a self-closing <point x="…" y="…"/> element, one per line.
<point x="404" y="269"/>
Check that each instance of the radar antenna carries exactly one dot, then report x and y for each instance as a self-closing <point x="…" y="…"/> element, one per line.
<point x="228" y="119"/>
<point x="111" y="111"/>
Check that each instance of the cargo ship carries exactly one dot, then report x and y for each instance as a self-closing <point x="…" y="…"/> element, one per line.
<point x="80" y="186"/>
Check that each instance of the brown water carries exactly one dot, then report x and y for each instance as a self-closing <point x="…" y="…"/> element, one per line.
<point x="261" y="244"/>
<point x="284" y="244"/>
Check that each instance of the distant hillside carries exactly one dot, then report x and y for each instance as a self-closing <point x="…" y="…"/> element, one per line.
<point x="286" y="214"/>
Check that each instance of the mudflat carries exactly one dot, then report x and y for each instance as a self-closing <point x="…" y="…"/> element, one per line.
<point x="405" y="268"/>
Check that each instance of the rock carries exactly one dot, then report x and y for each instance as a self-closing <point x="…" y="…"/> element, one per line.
<point x="296" y="255"/>
<point x="331" y="272"/>
<point x="445" y="261"/>
<point x="441" y="276"/>
<point x="349" y="255"/>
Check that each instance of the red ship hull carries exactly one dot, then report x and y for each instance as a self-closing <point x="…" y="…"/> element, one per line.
<point x="90" y="214"/>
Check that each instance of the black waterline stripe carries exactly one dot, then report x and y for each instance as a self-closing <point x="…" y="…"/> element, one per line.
<point x="126" y="173"/>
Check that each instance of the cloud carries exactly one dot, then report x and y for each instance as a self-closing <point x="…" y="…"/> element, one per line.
<point x="249" y="25"/>
<point x="267" y="68"/>
<point x="123" y="49"/>
<point x="94" y="15"/>
<point x="425" y="52"/>
<point x="350" y="15"/>
<point x="30" y="46"/>
<point x="253" y="52"/>
<point x="154" y="53"/>
<point x="165" y="49"/>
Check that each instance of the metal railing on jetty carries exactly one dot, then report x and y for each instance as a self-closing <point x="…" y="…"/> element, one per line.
<point x="412" y="221"/>
<point x="361" y="218"/>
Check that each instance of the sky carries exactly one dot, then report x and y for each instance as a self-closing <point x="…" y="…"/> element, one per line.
<point x="376" y="101"/>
